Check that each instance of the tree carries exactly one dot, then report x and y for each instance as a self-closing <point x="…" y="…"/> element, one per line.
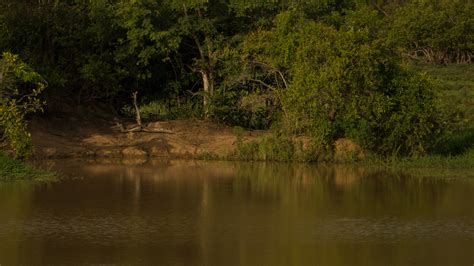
<point x="20" y="87"/>
<point x="189" y="36"/>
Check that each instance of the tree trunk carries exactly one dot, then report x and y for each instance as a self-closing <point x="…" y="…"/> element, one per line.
<point x="137" y="110"/>
<point x="208" y="88"/>
<point x="206" y="69"/>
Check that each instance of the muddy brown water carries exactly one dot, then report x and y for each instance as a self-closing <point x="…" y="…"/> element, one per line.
<point x="212" y="213"/>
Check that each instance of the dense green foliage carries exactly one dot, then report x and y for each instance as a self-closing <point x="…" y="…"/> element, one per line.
<point x="435" y="31"/>
<point x="19" y="90"/>
<point x="345" y="83"/>
<point x="323" y="68"/>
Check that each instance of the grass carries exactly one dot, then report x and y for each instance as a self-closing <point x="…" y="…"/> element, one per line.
<point x="277" y="148"/>
<point x="456" y="83"/>
<point x="461" y="166"/>
<point x="258" y="150"/>
<point x="14" y="170"/>
<point x="462" y="161"/>
<point x="457" y="90"/>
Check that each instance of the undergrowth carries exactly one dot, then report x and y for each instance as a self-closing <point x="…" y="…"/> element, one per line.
<point x="13" y="170"/>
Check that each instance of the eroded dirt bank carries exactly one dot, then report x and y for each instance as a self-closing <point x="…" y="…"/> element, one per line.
<point x="70" y="136"/>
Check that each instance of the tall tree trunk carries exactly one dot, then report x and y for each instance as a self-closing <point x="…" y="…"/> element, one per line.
<point x="137" y="110"/>
<point x="208" y="88"/>
<point x="206" y="69"/>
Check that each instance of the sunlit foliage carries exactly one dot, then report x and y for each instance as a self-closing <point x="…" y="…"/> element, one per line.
<point x="20" y="88"/>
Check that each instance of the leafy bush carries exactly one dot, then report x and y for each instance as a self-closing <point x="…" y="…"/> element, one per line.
<point x="20" y="87"/>
<point x="435" y="31"/>
<point x="244" y="107"/>
<point x="346" y="83"/>
<point x="226" y="109"/>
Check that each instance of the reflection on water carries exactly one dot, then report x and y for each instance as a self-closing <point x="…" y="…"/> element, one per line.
<point x="210" y="213"/>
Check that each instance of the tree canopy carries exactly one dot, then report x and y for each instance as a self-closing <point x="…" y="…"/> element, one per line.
<point x="326" y="68"/>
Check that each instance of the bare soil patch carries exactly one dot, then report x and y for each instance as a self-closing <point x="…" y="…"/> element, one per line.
<point x="86" y="134"/>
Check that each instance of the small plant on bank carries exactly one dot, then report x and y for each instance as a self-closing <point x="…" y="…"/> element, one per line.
<point x="14" y="170"/>
<point x="279" y="148"/>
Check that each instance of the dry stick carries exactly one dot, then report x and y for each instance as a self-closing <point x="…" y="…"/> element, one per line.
<point x="137" y="110"/>
<point x="138" y="129"/>
<point x="138" y="118"/>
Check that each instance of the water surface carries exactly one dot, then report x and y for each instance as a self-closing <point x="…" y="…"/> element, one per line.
<point x="212" y="213"/>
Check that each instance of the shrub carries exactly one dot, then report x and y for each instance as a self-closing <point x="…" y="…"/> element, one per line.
<point x="20" y="87"/>
<point x="435" y="31"/>
<point x="347" y="83"/>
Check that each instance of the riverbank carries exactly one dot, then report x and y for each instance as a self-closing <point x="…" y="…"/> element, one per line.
<point x="66" y="136"/>
<point x="85" y="134"/>
<point x="92" y="133"/>
<point x="14" y="170"/>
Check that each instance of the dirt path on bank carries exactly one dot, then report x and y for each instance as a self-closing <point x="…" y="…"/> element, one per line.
<point x="71" y="136"/>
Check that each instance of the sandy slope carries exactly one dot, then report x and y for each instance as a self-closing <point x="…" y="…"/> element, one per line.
<point x="59" y="136"/>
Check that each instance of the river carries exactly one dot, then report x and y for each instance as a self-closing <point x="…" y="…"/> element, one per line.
<point x="225" y="213"/>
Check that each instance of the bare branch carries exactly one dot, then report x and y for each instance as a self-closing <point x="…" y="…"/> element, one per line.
<point x="137" y="110"/>
<point x="262" y="83"/>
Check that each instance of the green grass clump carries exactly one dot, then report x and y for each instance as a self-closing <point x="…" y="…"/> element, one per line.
<point x="13" y="170"/>
<point x="461" y="165"/>
<point x="275" y="148"/>
<point x="464" y="161"/>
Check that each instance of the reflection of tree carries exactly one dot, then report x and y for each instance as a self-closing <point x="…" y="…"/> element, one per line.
<point x="255" y="213"/>
<point x="345" y="189"/>
<point x="402" y="193"/>
<point x="15" y="206"/>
